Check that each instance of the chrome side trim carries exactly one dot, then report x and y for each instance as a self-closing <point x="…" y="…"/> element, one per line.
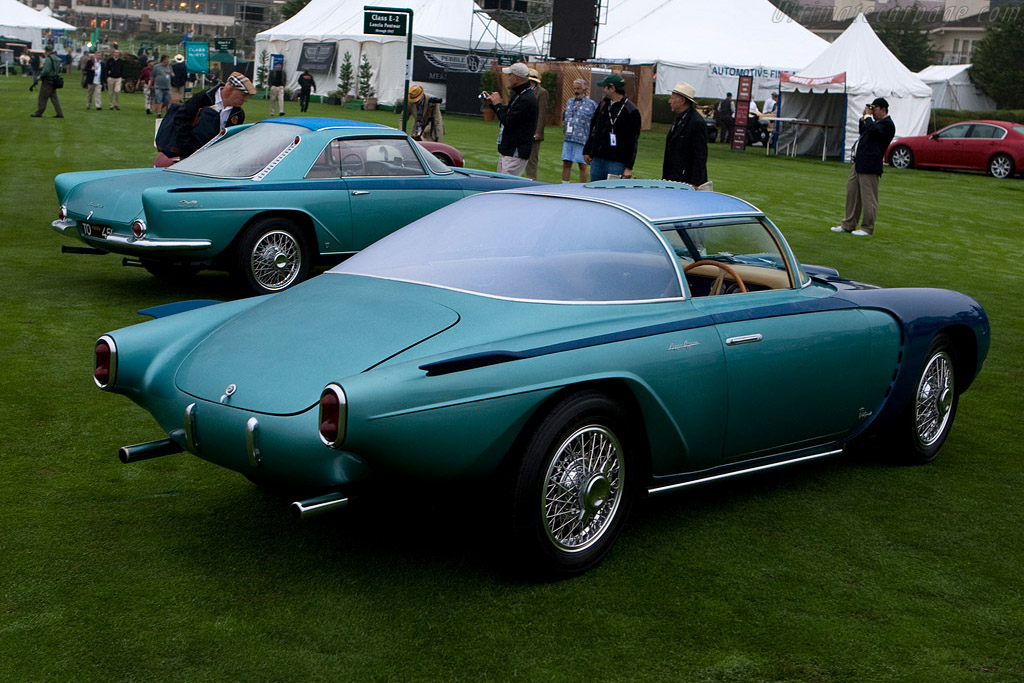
<point x="758" y="468"/>
<point x="130" y="241"/>
<point x="304" y="509"/>
<point x="744" y="339"/>
<point x="191" y="437"/>
<point x="252" y="442"/>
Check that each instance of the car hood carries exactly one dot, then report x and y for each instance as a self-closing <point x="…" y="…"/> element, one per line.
<point x="281" y="353"/>
<point x="116" y="196"/>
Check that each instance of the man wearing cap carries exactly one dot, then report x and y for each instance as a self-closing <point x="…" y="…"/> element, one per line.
<point x="428" y="123"/>
<point x="306" y="83"/>
<point x="542" y="116"/>
<point x="579" y="112"/>
<point x="518" y="120"/>
<point x="686" y="146"/>
<point x="179" y="77"/>
<point x="876" y="132"/>
<point x="204" y="115"/>
<point x="277" y="88"/>
<point x="614" y="132"/>
<point x="52" y="69"/>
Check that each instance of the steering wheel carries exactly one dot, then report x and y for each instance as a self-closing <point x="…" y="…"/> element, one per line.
<point x="716" y="286"/>
<point x="356" y="167"/>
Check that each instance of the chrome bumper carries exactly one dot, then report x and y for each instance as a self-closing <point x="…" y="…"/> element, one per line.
<point x="69" y="227"/>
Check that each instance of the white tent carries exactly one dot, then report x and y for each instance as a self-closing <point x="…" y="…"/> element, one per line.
<point x="871" y="71"/>
<point x="450" y="24"/>
<point x="708" y="44"/>
<point x="20" y="21"/>
<point x="952" y="88"/>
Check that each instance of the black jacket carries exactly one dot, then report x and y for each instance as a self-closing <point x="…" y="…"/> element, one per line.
<point x="519" y="118"/>
<point x="306" y="82"/>
<point x="194" y="127"/>
<point x="277" y="77"/>
<point x="875" y="137"/>
<point x="626" y="127"/>
<point x="179" y="74"/>
<point x="89" y="71"/>
<point x="114" y="68"/>
<point x="686" y="150"/>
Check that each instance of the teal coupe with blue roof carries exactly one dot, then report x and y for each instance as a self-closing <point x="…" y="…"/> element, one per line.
<point x="566" y="350"/>
<point x="265" y="201"/>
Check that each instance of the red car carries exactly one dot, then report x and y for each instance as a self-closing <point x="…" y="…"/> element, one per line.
<point x="993" y="146"/>
<point x="996" y="147"/>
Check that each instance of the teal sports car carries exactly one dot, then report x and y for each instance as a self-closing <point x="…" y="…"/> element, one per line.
<point x="266" y="201"/>
<point x="576" y="347"/>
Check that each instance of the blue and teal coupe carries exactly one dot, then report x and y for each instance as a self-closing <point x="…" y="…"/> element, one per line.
<point x="267" y="200"/>
<point x="576" y="347"/>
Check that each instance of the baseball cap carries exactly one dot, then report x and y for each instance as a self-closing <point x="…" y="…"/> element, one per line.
<point x="517" y="69"/>
<point x="880" y="102"/>
<point x="612" y="79"/>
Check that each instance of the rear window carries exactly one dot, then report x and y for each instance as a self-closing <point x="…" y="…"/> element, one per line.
<point x="243" y="154"/>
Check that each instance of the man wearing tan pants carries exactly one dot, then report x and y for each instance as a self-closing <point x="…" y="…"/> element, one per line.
<point x="876" y="132"/>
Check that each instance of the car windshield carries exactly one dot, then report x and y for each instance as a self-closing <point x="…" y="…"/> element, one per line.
<point x="243" y="154"/>
<point x="527" y="247"/>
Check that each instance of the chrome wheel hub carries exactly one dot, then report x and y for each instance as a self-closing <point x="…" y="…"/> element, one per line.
<point x="583" y="488"/>
<point x="1001" y="167"/>
<point x="934" y="399"/>
<point x="275" y="260"/>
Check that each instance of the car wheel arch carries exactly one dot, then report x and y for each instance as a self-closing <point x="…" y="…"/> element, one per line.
<point x="301" y="219"/>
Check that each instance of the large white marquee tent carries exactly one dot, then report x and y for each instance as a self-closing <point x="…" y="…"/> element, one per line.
<point x="448" y="24"/>
<point x="24" y="23"/>
<point x="952" y="88"/>
<point x="871" y="71"/>
<point x="708" y="44"/>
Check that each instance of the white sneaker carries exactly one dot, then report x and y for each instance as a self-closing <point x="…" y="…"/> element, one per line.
<point x="860" y="233"/>
<point x="837" y="228"/>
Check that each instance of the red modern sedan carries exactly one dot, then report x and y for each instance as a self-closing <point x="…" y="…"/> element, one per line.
<point x="996" y="147"/>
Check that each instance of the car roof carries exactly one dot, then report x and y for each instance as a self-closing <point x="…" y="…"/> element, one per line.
<point x="655" y="200"/>
<point x="323" y="123"/>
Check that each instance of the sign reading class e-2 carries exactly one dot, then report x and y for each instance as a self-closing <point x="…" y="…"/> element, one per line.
<point x="385" y="23"/>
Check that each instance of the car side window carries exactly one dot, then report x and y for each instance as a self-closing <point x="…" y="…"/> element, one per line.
<point x="986" y="132"/>
<point x="954" y="132"/>
<point x="717" y="256"/>
<point x="327" y="165"/>
<point x="365" y="157"/>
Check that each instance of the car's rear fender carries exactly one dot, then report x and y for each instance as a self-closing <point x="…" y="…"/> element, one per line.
<point x="314" y="233"/>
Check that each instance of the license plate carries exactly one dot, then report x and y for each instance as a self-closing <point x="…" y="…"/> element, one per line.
<point x="97" y="231"/>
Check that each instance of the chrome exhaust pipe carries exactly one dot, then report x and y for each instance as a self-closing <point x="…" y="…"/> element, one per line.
<point x="148" y="450"/>
<point x="304" y="509"/>
<point x="131" y="263"/>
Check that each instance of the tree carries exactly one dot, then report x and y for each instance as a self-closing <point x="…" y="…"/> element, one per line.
<point x="292" y="7"/>
<point x="365" y="77"/>
<point x="263" y="68"/>
<point x="999" y="60"/>
<point x="345" y="76"/>
<point x="902" y="31"/>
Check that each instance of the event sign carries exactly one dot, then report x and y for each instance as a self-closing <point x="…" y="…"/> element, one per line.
<point x="813" y="82"/>
<point x="744" y="90"/>
<point x="431" y="64"/>
<point x="197" y="57"/>
<point x="224" y="44"/>
<point x="318" y="57"/>
<point x="377" y="23"/>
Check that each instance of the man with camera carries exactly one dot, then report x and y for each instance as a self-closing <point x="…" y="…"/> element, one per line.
<point x="876" y="132"/>
<point x="518" y="120"/>
<point x="429" y="124"/>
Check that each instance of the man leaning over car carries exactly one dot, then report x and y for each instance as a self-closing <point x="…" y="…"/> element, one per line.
<point x="194" y="127"/>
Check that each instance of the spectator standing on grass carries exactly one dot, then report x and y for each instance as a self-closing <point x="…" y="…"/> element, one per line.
<point x="92" y="81"/>
<point x="37" y="67"/>
<point x="518" y="120"/>
<point x="277" y="89"/>
<point x="542" y="118"/>
<point x="579" y="111"/>
<point x="614" y="132"/>
<point x="115" y="77"/>
<point x="162" y="86"/>
<point x="686" y="145"/>
<point x="51" y="71"/>
<point x="876" y="132"/>
<point x="179" y="79"/>
<point x="145" y="81"/>
<point x="306" y="84"/>
<point x="725" y="118"/>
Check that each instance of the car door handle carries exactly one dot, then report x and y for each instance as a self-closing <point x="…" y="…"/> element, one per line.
<point x="358" y="192"/>
<point x="745" y="339"/>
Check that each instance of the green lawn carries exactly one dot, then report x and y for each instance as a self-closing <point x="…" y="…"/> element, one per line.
<point x="844" y="570"/>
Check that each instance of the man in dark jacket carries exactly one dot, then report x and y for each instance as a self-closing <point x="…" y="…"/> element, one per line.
<point x="92" y="81"/>
<point x="614" y="132"/>
<point x="876" y="132"/>
<point x="686" y="146"/>
<point x="179" y="79"/>
<point x="306" y="83"/>
<point x="518" y="120"/>
<point x="208" y="112"/>
<point x="113" y="71"/>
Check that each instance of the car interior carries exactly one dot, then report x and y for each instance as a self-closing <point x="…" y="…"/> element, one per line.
<point x="366" y="157"/>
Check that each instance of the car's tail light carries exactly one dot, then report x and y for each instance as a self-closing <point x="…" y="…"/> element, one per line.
<point x="138" y="228"/>
<point x="105" y="371"/>
<point x="333" y="414"/>
<point x="62" y="213"/>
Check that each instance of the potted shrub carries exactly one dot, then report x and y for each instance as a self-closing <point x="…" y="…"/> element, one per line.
<point x="345" y="78"/>
<point x="488" y="83"/>
<point x="366" y="92"/>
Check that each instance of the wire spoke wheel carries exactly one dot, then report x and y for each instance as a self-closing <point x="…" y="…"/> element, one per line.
<point x="934" y="399"/>
<point x="582" y="488"/>
<point x="275" y="260"/>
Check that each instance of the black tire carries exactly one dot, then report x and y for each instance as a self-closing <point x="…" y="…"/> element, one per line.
<point x="272" y="255"/>
<point x="443" y="158"/>
<point x="925" y="424"/>
<point x="1001" y="166"/>
<point x="173" y="272"/>
<point x="901" y="157"/>
<point x="568" y="510"/>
